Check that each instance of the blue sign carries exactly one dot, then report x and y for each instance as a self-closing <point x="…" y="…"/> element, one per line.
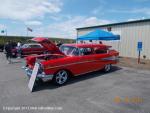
<point x="139" y="46"/>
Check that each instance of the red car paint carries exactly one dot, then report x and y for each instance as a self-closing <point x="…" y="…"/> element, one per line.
<point x="28" y="49"/>
<point x="50" y="46"/>
<point x="99" y="57"/>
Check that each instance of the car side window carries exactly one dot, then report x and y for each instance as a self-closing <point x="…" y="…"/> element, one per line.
<point x="76" y="52"/>
<point x="100" y="51"/>
<point x="35" y="46"/>
<point x="86" y="51"/>
<point x="25" y="46"/>
<point x="29" y="46"/>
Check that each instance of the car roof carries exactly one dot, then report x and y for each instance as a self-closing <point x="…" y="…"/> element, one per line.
<point x="88" y="45"/>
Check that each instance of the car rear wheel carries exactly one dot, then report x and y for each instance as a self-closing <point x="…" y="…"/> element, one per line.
<point x="107" y="68"/>
<point x="61" y="77"/>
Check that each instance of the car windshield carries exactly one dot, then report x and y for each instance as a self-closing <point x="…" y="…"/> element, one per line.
<point x="25" y="46"/>
<point x="69" y="50"/>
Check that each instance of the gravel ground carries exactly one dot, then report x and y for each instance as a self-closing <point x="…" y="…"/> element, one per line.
<point x="133" y="63"/>
<point x="96" y="92"/>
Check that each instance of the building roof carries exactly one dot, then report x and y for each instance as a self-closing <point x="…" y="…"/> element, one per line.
<point x="112" y="24"/>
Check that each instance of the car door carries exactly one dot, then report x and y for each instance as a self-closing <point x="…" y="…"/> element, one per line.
<point x="93" y="62"/>
<point x="36" y="49"/>
<point x="101" y="58"/>
<point x="86" y="62"/>
<point x="26" y="50"/>
<point x="74" y="62"/>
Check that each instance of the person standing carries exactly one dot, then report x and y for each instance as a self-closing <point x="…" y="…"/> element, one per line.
<point x="59" y="43"/>
<point x="8" y="51"/>
<point x="100" y="42"/>
<point x="19" y="49"/>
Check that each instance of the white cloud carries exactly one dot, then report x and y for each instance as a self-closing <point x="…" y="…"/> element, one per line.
<point x="100" y="9"/>
<point x="91" y="21"/>
<point x="67" y="29"/>
<point x="28" y="9"/>
<point x="145" y="11"/>
<point x="59" y="17"/>
<point x="133" y="19"/>
<point x="33" y="23"/>
<point x="2" y="27"/>
<point x="97" y="11"/>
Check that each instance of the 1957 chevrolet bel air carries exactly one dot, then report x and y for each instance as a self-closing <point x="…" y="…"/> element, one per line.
<point x="70" y="60"/>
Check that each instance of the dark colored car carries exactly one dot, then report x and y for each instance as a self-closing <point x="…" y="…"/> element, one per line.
<point x="28" y="49"/>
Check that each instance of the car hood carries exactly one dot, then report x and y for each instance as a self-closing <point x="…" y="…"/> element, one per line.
<point x="47" y="44"/>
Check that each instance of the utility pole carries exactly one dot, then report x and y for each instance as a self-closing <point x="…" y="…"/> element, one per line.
<point x="27" y="32"/>
<point x="6" y="32"/>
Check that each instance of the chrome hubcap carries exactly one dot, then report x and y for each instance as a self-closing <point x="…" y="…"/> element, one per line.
<point x="61" y="77"/>
<point x="107" y="67"/>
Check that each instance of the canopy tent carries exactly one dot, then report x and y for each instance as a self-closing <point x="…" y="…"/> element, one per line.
<point x="99" y="35"/>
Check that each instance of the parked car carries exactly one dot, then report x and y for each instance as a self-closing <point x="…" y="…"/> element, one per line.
<point x="28" y="49"/>
<point x="72" y="60"/>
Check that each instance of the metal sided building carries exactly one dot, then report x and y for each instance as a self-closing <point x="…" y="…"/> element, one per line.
<point x="130" y="32"/>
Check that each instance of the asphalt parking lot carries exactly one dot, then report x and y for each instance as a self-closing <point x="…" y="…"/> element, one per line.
<point x="124" y="90"/>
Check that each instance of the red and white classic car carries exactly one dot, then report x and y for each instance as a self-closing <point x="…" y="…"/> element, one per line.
<point x="70" y="60"/>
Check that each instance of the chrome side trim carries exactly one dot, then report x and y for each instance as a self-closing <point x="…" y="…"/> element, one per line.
<point x="111" y="58"/>
<point x="102" y="59"/>
<point x="71" y="64"/>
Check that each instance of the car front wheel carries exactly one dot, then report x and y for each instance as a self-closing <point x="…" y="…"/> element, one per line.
<point x="107" y="68"/>
<point x="61" y="77"/>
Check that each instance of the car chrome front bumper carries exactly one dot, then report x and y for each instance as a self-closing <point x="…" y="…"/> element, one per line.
<point x="41" y="76"/>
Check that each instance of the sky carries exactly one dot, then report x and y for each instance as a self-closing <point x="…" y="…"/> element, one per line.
<point x="60" y="18"/>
